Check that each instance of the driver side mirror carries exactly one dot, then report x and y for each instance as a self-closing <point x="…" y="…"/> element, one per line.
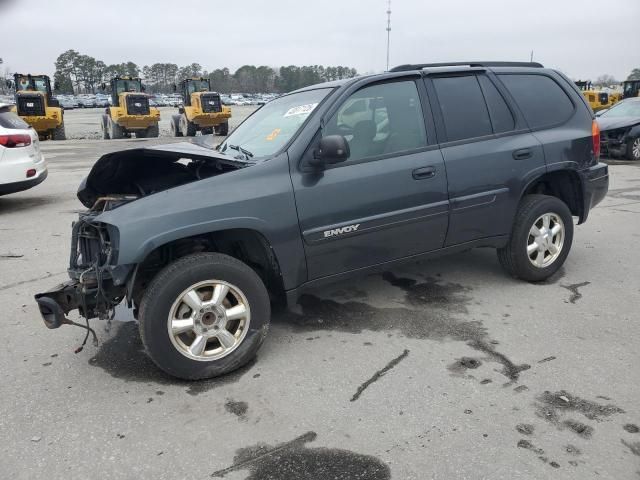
<point x="332" y="149"/>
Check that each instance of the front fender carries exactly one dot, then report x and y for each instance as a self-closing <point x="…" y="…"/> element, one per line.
<point x="258" y="198"/>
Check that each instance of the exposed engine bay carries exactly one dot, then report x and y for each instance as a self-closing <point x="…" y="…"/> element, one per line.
<point x="120" y="177"/>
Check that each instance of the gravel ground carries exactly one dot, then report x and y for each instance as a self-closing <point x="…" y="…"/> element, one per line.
<point x="445" y="369"/>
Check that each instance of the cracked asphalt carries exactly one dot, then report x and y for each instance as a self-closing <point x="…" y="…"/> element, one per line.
<point x="437" y="370"/>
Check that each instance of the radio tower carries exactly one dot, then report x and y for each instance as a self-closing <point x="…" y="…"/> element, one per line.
<point x="388" y="30"/>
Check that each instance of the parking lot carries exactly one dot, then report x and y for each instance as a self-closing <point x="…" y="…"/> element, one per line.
<point x="443" y="369"/>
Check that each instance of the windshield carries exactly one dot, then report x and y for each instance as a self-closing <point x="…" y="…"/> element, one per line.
<point x="127" y="86"/>
<point x="272" y="126"/>
<point x="37" y="83"/>
<point x="197" y="86"/>
<point x="624" y="109"/>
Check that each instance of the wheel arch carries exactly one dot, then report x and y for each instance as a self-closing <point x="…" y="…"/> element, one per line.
<point x="248" y="245"/>
<point x="565" y="185"/>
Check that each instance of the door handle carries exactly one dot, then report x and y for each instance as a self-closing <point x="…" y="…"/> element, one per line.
<point x="423" y="172"/>
<point x="522" y="154"/>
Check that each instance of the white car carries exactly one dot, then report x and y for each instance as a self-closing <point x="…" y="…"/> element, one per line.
<point x="22" y="165"/>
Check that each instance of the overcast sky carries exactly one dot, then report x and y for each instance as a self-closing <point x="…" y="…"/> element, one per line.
<point x="583" y="38"/>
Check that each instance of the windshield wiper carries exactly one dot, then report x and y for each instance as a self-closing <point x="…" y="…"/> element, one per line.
<point x="244" y="151"/>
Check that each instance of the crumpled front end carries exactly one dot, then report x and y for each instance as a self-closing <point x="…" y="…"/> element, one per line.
<point x="96" y="284"/>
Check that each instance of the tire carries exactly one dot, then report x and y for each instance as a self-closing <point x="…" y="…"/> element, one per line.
<point x="153" y="131"/>
<point x="545" y="260"/>
<point x="175" y="126"/>
<point x="162" y="301"/>
<point x="633" y="149"/>
<point x="115" y="130"/>
<point x="222" y="129"/>
<point x="187" y="128"/>
<point x="105" y="127"/>
<point x="58" y="133"/>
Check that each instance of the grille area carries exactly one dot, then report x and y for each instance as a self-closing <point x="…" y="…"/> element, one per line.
<point x="211" y="103"/>
<point x="88" y="245"/>
<point x="137" y="105"/>
<point x="30" y="105"/>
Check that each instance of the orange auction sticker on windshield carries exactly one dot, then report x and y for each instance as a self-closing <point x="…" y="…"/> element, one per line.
<point x="273" y="135"/>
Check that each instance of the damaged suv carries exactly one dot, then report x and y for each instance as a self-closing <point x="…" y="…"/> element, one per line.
<point x="332" y="180"/>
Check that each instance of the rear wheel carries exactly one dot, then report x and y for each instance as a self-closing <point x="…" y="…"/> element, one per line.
<point x="188" y="128"/>
<point x="222" y="129"/>
<point x="204" y="315"/>
<point x="105" y="127"/>
<point x="541" y="239"/>
<point x="633" y="149"/>
<point x="175" y="126"/>
<point x="58" y="133"/>
<point x="153" y="131"/>
<point x="115" y="130"/>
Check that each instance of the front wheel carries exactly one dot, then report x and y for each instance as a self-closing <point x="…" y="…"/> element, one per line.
<point x="633" y="149"/>
<point x="203" y="316"/>
<point x="540" y="240"/>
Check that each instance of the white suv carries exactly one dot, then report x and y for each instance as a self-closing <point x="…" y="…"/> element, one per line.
<point x="22" y="165"/>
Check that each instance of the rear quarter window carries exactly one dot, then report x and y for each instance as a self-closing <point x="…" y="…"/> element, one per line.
<point x="12" y="121"/>
<point x="542" y="101"/>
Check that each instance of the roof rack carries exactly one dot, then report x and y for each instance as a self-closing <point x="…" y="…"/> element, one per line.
<point x="420" y="66"/>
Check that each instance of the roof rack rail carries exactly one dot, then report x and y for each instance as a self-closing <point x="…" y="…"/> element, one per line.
<point x="420" y="66"/>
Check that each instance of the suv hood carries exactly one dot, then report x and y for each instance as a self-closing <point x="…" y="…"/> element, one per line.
<point x="139" y="172"/>
<point x="613" y="123"/>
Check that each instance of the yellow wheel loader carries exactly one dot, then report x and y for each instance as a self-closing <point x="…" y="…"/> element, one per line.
<point x="129" y="112"/>
<point x="631" y="88"/>
<point x="36" y="106"/>
<point x="598" y="99"/>
<point x="202" y="110"/>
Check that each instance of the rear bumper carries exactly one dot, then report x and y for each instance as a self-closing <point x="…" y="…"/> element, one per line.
<point x="7" y="188"/>
<point x="595" y="185"/>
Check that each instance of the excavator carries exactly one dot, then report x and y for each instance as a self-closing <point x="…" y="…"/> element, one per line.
<point x="202" y="110"/>
<point x="37" y="107"/>
<point x="129" y="112"/>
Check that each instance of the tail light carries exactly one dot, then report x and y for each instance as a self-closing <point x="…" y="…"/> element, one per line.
<point x="595" y="138"/>
<point x="15" y="140"/>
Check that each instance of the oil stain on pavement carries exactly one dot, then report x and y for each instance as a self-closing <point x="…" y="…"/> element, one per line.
<point x="123" y="356"/>
<point x="436" y="308"/>
<point x="293" y="461"/>
<point x="575" y="293"/>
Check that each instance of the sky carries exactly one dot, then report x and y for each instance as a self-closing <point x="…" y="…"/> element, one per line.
<point x="583" y="38"/>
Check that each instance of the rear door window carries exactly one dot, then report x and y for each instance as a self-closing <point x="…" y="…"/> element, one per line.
<point x="12" y="121"/>
<point x="501" y="117"/>
<point x="542" y="101"/>
<point x="463" y="107"/>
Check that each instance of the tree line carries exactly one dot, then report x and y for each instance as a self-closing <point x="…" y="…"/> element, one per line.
<point x="78" y="73"/>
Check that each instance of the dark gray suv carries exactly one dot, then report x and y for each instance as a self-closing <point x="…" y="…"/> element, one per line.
<point x="332" y="180"/>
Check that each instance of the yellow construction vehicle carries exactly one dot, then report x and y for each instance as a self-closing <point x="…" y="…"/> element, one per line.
<point x="202" y="110"/>
<point x="631" y="88"/>
<point x="36" y="106"/>
<point x="598" y="99"/>
<point x="129" y="111"/>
